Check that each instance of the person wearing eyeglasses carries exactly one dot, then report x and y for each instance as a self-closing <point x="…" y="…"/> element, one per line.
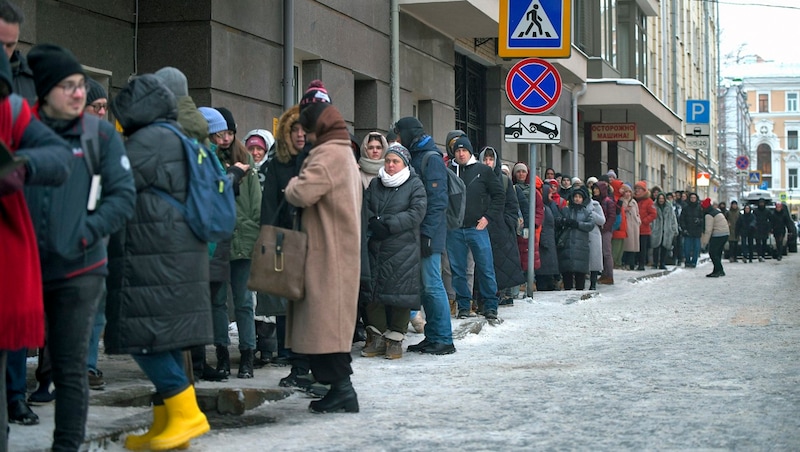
<point x="71" y="222"/>
<point x="96" y="99"/>
<point x="248" y="216"/>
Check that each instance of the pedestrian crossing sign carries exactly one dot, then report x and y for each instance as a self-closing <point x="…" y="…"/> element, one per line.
<point x="754" y="177"/>
<point x="534" y="28"/>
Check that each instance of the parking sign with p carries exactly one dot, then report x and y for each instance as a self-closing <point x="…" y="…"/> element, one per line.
<point x="698" y="111"/>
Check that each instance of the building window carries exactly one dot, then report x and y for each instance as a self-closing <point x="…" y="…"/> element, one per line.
<point x="792" y="178"/>
<point x="471" y="99"/>
<point x="763" y="103"/>
<point x="791" y="139"/>
<point x="791" y="101"/>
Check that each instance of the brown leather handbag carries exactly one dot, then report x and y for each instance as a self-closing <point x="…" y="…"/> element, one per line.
<point x="278" y="262"/>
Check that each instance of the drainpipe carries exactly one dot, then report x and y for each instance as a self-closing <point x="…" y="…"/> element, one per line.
<point x="394" y="80"/>
<point x="575" y="96"/>
<point x="288" y="54"/>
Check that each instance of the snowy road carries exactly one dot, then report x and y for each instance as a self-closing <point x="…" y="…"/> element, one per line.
<point x="678" y="362"/>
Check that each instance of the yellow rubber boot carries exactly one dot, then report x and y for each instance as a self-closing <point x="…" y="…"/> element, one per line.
<point x="142" y="442"/>
<point x="184" y="422"/>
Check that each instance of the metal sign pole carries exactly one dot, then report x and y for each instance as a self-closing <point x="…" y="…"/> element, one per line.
<point x="531" y="220"/>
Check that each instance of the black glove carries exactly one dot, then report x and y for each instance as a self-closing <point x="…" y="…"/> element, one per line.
<point x="379" y="229"/>
<point x="572" y="223"/>
<point x="235" y="175"/>
<point x="425" y="249"/>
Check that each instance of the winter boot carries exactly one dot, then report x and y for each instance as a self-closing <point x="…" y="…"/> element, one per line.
<point x="593" y="280"/>
<point x="223" y="359"/>
<point x="142" y="442"/>
<point x="341" y="397"/>
<point x="201" y="369"/>
<point x="246" y="364"/>
<point x="377" y="345"/>
<point x="184" y="421"/>
<point x="394" y="344"/>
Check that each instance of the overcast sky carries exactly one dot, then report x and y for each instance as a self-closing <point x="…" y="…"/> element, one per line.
<point x="767" y="28"/>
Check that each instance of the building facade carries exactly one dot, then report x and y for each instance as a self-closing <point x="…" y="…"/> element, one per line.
<point x="631" y="62"/>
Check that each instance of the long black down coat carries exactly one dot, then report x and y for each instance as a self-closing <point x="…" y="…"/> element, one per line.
<point x="395" y="261"/>
<point x="574" y="257"/>
<point x="503" y="236"/>
<point x="158" y="284"/>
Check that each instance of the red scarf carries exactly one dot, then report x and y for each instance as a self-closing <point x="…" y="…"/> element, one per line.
<point x="21" y="306"/>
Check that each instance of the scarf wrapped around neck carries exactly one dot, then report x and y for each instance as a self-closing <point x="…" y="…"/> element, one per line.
<point x="394" y="181"/>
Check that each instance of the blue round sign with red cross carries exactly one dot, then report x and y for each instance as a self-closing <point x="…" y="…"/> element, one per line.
<point x="742" y="162"/>
<point x="533" y="86"/>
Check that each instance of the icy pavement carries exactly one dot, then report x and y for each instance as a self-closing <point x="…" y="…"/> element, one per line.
<point x="676" y="362"/>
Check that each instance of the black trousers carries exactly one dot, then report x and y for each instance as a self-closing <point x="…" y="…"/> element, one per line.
<point x="330" y="367"/>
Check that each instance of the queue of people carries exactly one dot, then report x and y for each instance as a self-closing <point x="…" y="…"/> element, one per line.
<point x="117" y="260"/>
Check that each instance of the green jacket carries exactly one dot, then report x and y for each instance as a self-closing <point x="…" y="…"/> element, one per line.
<point x="248" y="215"/>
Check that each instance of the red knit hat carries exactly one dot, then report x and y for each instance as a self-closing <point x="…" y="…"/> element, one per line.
<point x="706" y="203"/>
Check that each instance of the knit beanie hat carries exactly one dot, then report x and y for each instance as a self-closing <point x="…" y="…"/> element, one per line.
<point x="519" y="167"/>
<point x="256" y="140"/>
<point x="642" y="184"/>
<point x="706" y="203"/>
<point x="591" y="181"/>
<point x="462" y="143"/>
<point x="504" y="168"/>
<point x="316" y="92"/>
<point x="51" y="64"/>
<point x="401" y="152"/>
<point x="175" y="80"/>
<point x="231" y="124"/>
<point x="216" y="122"/>
<point x="94" y="91"/>
<point x="611" y="173"/>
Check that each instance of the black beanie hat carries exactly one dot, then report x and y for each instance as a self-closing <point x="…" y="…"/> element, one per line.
<point x="463" y="142"/>
<point x="316" y="92"/>
<point x="51" y="64"/>
<point x="228" y="118"/>
<point x="94" y="91"/>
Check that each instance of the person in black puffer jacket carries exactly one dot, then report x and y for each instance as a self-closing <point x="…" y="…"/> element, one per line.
<point x="396" y="202"/>
<point x="574" y="225"/>
<point x="763" y="227"/>
<point x="158" y="287"/>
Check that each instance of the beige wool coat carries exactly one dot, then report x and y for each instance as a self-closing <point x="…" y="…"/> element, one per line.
<point x="631" y="243"/>
<point x="329" y="190"/>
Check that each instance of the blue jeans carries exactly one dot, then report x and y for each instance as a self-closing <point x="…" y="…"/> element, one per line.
<point x="459" y="243"/>
<point x="165" y="370"/>
<point x="434" y="301"/>
<point x="70" y="306"/>
<point x="97" y="330"/>
<point x="691" y="250"/>
<point x="244" y="308"/>
<point x="15" y="375"/>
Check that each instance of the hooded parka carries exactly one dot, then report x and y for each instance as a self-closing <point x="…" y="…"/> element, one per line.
<point x="574" y="256"/>
<point x="158" y="290"/>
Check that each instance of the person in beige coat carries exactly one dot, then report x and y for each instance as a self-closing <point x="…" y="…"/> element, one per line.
<point x="631" y="245"/>
<point x="328" y="189"/>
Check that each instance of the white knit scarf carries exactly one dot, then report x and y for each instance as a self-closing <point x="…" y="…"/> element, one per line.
<point x="394" y="181"/>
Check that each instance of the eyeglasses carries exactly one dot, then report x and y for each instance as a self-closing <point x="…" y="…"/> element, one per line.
<point x="224" y="134"/>
<point x="97" y="106"/>
<point x="70" y="88"/>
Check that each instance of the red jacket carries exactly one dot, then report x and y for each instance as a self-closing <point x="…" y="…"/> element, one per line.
<point x="647" y="212"/>
<point x="21" y="306"/>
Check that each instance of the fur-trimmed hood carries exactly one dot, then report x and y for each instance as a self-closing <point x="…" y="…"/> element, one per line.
<point x="283" y="144"/>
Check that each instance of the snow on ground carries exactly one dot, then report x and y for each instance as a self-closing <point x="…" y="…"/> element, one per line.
<point x="676" y="362"/>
